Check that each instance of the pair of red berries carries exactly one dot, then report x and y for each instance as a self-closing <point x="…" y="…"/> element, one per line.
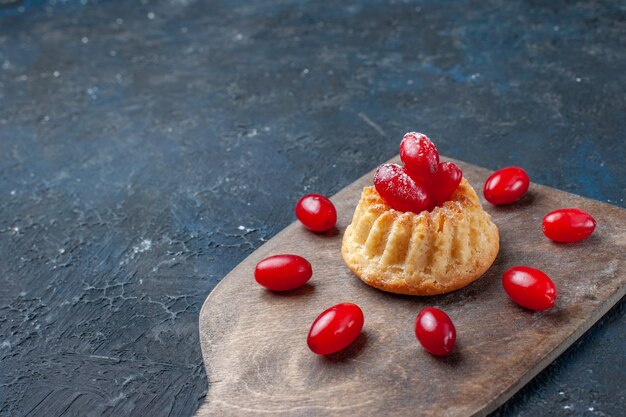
<point x="509" y="184"/>
<point x="423" y="182"/>
<point x="334" y="329"/>
<point x="339" y="326"/>
<point x="528" y="287"/>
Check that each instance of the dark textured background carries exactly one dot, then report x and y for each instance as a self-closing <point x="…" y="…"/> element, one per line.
<point x="147" y="147"/>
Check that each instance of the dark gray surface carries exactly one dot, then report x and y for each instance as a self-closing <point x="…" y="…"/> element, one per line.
<point x="147" y="148"/>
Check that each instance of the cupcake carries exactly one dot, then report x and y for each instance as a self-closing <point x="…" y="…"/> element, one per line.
<point x="421" y="229"/>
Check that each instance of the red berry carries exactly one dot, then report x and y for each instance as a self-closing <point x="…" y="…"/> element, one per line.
<point x="335" y="329"/>
<point x="568" y="225"/>
<point x="506" y="185"/>
<point x="399" y="190"/>
<point x="445" y="182"/>
<point x="529" y="287"/>
<point x="419" y="155"/>
<point x="316" y="212"/>
<point x="435" y="331"/>
<point x="283" y="272"/>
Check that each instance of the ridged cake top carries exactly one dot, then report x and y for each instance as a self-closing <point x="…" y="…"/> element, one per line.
<point x="463" y="198"/>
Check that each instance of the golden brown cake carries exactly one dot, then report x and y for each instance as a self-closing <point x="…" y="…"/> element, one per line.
<point x="420" y="254"/>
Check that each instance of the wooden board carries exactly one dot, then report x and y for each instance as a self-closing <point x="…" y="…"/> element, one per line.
<point x="254" y="341"/>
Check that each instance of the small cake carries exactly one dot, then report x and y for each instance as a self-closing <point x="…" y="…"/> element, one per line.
<point x="444" y="242"/>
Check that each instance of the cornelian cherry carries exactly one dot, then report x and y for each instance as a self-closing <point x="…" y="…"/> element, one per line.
<point x="283" y="272"/>
<point x="335" y="329"/>
<point x="316" y="212"/>
<point x="419" y="155"/>
<point x="506" y="185"/>
<point x="445" y="182"/>
<point x="435" y="331"/>
<point x="399" y="190"/>
<point x="568" y="225"/>
<point x="529" y="287"/>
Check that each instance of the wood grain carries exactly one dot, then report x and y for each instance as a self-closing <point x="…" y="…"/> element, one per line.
<point x="254" y="341"/>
